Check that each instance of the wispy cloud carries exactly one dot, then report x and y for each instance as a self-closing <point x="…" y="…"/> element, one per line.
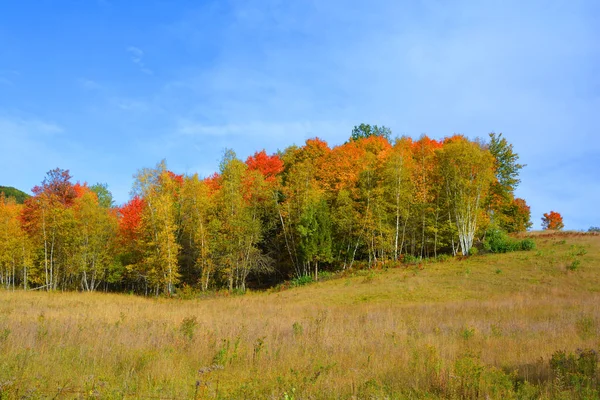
<point x="89" y="84"/>
<point x="137" y="57"/>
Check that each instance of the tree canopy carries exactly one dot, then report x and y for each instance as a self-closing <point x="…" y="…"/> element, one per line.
<point x="368" y="202"/>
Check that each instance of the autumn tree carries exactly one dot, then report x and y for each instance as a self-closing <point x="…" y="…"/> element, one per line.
<point x="398" y="168"/>
<point x="518" y="216"/>
<point x="241" y="228"/>
<point x="48" y="219"/>
<point x="552" y="221"/>
<point x="200" y="231"/>
<point x="158" y="188"/>
<point x="129" y="241"/>
<point x="467" y="172"/>
<point x="300" y="178"/>
<point x="15" y="248"/>
<point x="95" y="234"/>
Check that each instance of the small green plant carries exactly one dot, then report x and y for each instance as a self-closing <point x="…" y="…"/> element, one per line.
<point x="258" y="346"/>
<point x="574" y="265"/>
<point x="188" y="327"/>
<point x="467" y="333"/>
<point x="221" y="356"/>
<point x="473" y="251"/>
<point x="4" y="334"/>
<point x="290" y="395"/>
<point x="578" y="250"/>
<point x="498" y="271"/>
<point x="297" y="328"/>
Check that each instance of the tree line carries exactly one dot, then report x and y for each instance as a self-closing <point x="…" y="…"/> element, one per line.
<point x="371" y="201"/>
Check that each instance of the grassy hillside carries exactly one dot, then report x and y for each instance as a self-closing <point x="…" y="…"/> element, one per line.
<point x="486" y="327"/>
<point x="19" y="196"/>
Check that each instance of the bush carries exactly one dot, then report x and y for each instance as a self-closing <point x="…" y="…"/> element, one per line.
<point x="594" y="229"/>
<point x="527" y="244"/>
<point x="498" y="241"/>
<point x="301" y="281"/>
<point x="409" y="259"/>
<point x="575" y="370"/>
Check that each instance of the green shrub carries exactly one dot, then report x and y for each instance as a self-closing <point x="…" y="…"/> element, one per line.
<point x="527" y="244"/>
<point x="301" y="281"/>
<point x="498" y="241"/>
<point x="574" y="265"/>
<point x="443" y="257"/>
<point x="574" y="370"/>
<point x="408" y="259"/>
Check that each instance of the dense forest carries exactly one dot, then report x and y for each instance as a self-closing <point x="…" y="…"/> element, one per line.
<point x="371" y="201"/>
<point x="17" y="194"/>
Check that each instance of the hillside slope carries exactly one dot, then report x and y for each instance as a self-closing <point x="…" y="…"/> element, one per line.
<point x="481" y="327"/>
<point x="19" y="195"/>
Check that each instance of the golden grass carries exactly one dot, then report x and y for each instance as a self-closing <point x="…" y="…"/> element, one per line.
<point x="400" y="333"/>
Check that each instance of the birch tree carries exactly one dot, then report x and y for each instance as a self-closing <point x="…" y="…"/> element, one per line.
<point x="467" y="171"/>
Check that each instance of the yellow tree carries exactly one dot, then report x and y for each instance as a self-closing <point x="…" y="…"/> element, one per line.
<point x="467" y="170"/>
<point x="200" y="229"/>
<point x="397" y="170"/>
<point x="95" y="235"/>
<point x="240" y="225"/>
<point x="48" y="220"/>
<point x="159" y="189"/>
<point x="15" y="256"/>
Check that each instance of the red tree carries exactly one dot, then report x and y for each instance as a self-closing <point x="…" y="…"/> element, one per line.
<point x="553" y="221"/>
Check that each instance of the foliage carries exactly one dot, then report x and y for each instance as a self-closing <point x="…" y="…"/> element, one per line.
<point x="552" y="221"/>
<point x="306" y="210"/>
<point x="364" y="131"/>
<point x="498" y="241"/>
<point x="19" y="195"/>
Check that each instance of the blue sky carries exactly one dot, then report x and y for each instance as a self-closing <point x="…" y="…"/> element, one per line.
<point x="106" y="87"/>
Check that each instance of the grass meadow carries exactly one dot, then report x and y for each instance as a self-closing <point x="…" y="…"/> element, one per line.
<point x="501" y="326"/>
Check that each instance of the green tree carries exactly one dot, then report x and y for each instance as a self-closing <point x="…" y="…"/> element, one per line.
<point x="501" y="200"/>
<point x="315" y="235"/>
<point x="105" y="198"/>
<point x="467" y="171"/>
<point x="364" y="131"/>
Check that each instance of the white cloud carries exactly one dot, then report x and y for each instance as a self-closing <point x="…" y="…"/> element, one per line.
<point x="137" y="57"/>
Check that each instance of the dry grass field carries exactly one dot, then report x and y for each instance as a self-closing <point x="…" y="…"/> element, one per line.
<point x="484" y="327"/>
